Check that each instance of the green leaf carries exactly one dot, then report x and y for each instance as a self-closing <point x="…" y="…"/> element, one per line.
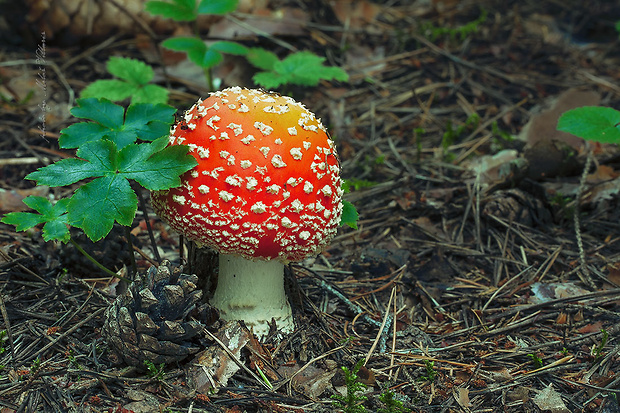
<point x="112" y="89"/>
<point x="262" y="59"/>
<point x="178" y="10"/>
<point x="54" y="217"/>
<point x="196" y="50"/>
<point x="149" y="121"/>
<point x="143" y="120"/>
<point x="184" y="44"/>
<point x="230" y="48"/>
<point x="150" y="94"/>
<point x="349" y="215"/>
<point x="101" y="111"/>
<point x="155" y="167"/>
<point x="593" y="123"/>
<point x="301" y="68"/>
<point x="132" y="70"/>
<point x="217" y="6"/>
<point x="269" y="80"/>
<point x="99" y="158"/>
<point x="96" y="205"/>
<point x="208" y="59"/>
<point x="80" y="133"/>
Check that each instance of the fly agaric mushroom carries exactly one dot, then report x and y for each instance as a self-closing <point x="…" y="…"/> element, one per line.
<point x="266" y="191"/>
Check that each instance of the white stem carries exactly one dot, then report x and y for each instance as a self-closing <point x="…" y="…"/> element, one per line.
<point x="252" y="291"/>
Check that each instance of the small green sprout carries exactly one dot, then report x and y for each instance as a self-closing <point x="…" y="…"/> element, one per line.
<point x="538" y="362"/>
<point x="35" y="366"/>
<point x="597" y="351"/>
<point x="431" y="374"/>
<point x="391" y="404"/>
<point x="352" y="402"/>
<point x="154" y="372"/>
<point x="433" y="32"/>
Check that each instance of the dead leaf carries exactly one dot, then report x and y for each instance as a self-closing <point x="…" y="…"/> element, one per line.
<point x="591" y="328"/>
<point x="550" y="401"/>
<point x="547" y="148"/>
<point x="461" y="395"/>
<point x="355" y="14"/>
<point x="212" y="368"/>
<point x="11" y="200"/>
<point x="602" y="174"/>
<point x="312" y="381"/>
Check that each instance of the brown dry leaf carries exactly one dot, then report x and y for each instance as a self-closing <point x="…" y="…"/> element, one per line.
<point x="613" y="272"/>
<point x="607" y="190"/>
<point x="461" y="395"/>
<point x="498" y="374"/>
<point x="312" y="381"/>
<point x="602" y="174"/>
<point x="11" y="200"/>
<point x="543" y="292"/>
<point x="591" y="328"/>
<point x="355" y="13"/>
<point x="549" y="400"/>
<point x="286" y="21"/>
<point x="212" y="368"/>
<point x="432" y="228"/>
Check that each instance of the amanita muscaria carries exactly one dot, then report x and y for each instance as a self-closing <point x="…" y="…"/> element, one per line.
<point x="266" y="191"/>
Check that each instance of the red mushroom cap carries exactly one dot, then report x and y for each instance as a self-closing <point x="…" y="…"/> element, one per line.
<point x="267" y="184"/>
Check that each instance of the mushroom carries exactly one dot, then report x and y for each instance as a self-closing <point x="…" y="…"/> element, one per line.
<point x="266" y="192"/>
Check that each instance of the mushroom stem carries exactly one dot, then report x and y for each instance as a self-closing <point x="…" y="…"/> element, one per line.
<point x="252" y="291"/>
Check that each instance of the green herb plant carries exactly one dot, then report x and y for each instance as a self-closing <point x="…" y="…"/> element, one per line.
<point x="133" y="80"/>
<point x="203" y="55"/>
<point x="430" y="373"/>
<point x="597" y="350"/>
<point x="300" y="68"/>
<point x="153" y="371"/>
<point x="432" y="32"/>
<point x="352" y="401"/>
<point x="391" y="404"/>
<point x="536" y="360"/>
<point x="451" y="134"/>
<point x="115" y="148"/>
<point x="3" y="338"/>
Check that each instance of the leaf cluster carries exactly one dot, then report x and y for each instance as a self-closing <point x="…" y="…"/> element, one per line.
<point x="133" y="81"/>
<point x="108" y="157"/>
<point x="201" y="54"/>
<point x="300" y="68"/>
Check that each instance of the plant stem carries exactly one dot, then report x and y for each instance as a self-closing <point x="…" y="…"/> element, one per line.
<point x="208" y="77"/>
<point x="94" y="261"/>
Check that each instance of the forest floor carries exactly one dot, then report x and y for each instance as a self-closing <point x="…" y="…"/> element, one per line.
<point x="485" y="272"/>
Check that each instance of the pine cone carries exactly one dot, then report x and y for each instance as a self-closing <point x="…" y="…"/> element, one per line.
<point x="149" y="321"/>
